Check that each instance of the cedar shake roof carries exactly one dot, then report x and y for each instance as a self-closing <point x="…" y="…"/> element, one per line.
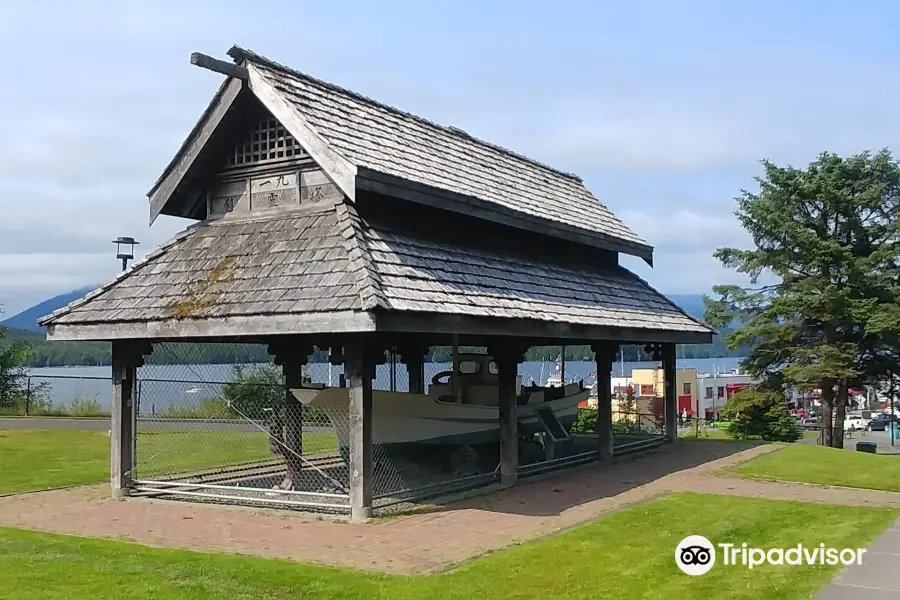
<point x="383" y="139"/>
<point x="416" y="273"/>
<point x="377" y="144"/>
<point x="331" y="261"/>
<point x="322" y="267"/>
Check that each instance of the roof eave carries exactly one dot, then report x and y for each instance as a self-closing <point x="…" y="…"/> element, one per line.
<point x="181" y="164"/>
<point x="389" y="185"/>
<point x="400" y="321"/>
<point x="215" y="327"/>
<point x="49" y="320"/>
<point x="712" y="331"/>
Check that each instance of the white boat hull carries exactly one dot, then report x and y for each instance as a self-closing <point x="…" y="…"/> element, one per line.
<point x="403" y="418"/>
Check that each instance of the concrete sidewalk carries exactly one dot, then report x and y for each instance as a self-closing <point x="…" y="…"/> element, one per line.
<point x="877" y="578"/>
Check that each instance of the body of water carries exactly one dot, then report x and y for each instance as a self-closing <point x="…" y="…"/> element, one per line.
<point x="161" y="386"/>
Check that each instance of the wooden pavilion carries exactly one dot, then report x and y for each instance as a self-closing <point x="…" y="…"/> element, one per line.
<point x="328" y="219"/>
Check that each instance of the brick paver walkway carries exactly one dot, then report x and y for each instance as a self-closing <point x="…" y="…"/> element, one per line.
<point x="425" y="542"/>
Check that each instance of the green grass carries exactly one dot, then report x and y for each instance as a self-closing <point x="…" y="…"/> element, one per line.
<point x="706" y="434"/>
<point x="34" y="459"/>
<point x="629" y="554"/>
<point x="722" y="434"/>
<point x="826" y="466"/>
<point x="162" y="452"/>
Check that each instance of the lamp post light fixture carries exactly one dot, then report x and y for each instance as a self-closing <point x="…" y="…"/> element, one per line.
<point x="125" y="249"/>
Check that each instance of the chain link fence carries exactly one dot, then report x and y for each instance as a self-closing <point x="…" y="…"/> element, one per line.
<point x="230" y="432"/>
<point x="61" y="396"/>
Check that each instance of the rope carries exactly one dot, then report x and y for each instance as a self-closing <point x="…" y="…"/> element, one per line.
<point x="281" y="443"/>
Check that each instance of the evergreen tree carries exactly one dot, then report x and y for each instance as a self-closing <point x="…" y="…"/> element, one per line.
<point x="12" y="373"/>
<point x="828" y="237"/>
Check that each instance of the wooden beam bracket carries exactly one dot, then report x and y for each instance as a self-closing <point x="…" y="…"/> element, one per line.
<point x="605" y="354"/>
<point x="508" y="350"/>
<point x="285" y="353"/>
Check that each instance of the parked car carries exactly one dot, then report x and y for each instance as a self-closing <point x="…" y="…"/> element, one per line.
<point x="809" y="424"/>
<point x="880" y="421"/>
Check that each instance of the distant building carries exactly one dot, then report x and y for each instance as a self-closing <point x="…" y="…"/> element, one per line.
<point x="717" y="388"/>
<point x="649" y="384"/>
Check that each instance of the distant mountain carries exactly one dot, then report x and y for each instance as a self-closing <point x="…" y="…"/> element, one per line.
<point x="27" y="319"/>
<point x="692" y="304"/>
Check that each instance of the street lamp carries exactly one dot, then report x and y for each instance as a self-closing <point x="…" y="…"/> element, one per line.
<point x="125" y="249"/>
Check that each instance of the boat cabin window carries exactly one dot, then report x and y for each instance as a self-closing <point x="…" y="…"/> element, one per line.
<point x="469" y="367"/>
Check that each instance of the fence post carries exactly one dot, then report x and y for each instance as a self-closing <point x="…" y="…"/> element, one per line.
<point x="393" y="354"/>
<point x="27" y="394"/>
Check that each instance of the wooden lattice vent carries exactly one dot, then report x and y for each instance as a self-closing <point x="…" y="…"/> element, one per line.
<point x="267" y="142"/>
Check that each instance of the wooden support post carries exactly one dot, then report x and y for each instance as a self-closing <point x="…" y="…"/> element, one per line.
<point x="359" y="368"/>
<point x="127" y="356"/>
<point x="562" y="365"/>
<point x="671" y="391"/>
<point x="605" y="355"/>
<point x="292" y="357"/>
<point x="393" y="365"/>
<point x="454" y="352"/>
<point x="413" y="355"/>
<point x="293" y="420"/>
<point x="508" y="357"/>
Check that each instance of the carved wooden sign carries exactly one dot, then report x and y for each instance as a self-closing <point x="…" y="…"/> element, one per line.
<point x="274" y="190"/>
<point x="225" y="197"/>
<point x="315" y="187"/>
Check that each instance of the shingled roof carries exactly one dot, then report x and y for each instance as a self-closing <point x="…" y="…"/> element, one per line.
<point x="416" y="273"/>
<point x="293" y="272"/>
<point x="349" y="264"/>
<point x="369" y="145"/>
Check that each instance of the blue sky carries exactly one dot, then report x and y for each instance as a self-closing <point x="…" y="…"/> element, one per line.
<point x="664" y="108"/>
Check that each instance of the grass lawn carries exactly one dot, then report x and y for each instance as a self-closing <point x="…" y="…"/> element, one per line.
<point x="705" y="434"/>
<point x="165" y="452"/>
<point x="827" y="466"/>
<point x="722" y="434"/>
<point x="629" y="554"/>
<point x="35" y="459"/>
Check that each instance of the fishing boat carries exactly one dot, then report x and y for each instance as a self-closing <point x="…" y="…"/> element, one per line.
<point x="460" y="407"/>
<point x="556" y="380"/>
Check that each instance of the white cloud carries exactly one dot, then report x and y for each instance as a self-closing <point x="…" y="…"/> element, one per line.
<point x="664" y="129"/>
<point x="677" y="231"/>
<point x="686" y="272"/>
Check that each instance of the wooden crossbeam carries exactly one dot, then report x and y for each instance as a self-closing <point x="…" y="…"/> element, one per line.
<point x="219" y="66"/>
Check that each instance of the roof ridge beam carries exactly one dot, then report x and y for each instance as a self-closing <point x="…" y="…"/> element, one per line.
<point x="204" y="61"/>
<point x="336" y="167"/>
